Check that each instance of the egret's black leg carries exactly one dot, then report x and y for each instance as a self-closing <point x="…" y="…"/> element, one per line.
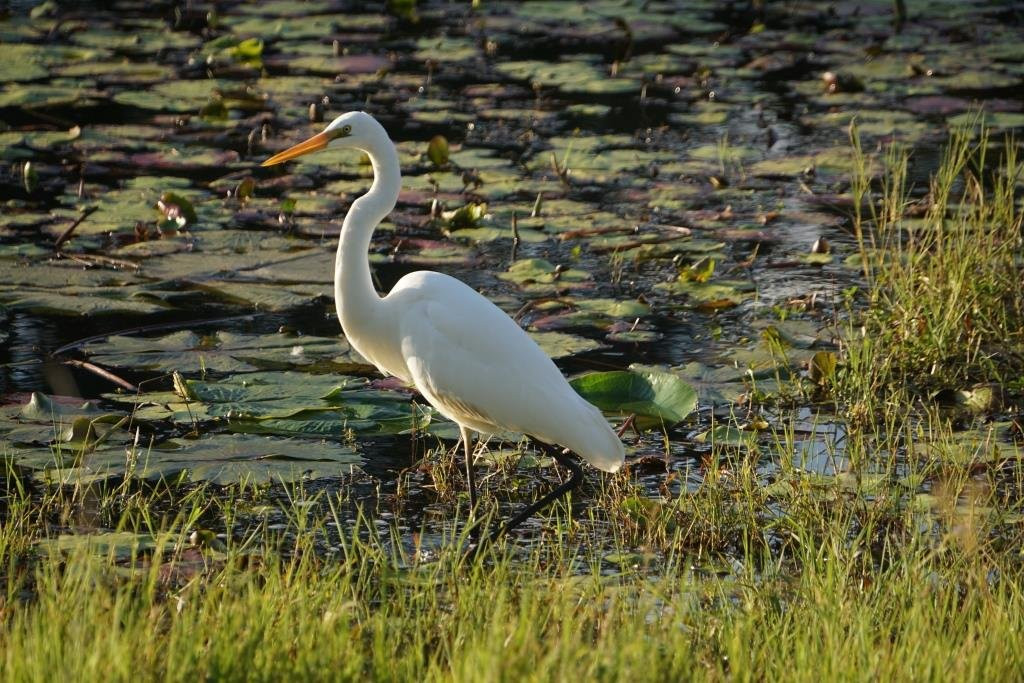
<point x="470" y="478"/>
<point x="474" y="528"/>
<point x="574" y="481"/>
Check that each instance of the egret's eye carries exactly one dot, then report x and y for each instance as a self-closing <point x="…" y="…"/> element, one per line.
<point x="345" y="130"/>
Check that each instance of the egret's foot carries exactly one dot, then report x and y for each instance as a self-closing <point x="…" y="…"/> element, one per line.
<point x="479" y="537"/>
<point x="563" y="489"/>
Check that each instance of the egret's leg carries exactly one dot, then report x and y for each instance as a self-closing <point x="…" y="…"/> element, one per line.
<point x="574" y="481"/>
<point x="470" y="479"/>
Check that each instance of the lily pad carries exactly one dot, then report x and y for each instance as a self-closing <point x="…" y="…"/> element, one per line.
<point x="728" y="435"/>
<point x="119" y="546"/>
<point x="42" y="408"/>
<point x="709" y="297"/>
<point x="561" y="345"/>
<point x="189" y="352"/>
<point x="233" y="458"/>
<point x="217" y="458"/>
<point x="571" y="76"/>
<point x="655" y="398"/>
<point x="539" y="271"/>
<point x="25" y="62"/>
<point x="288" y="404"/>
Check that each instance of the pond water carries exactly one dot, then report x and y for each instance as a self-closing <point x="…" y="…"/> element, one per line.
<point x="676" y="175"/>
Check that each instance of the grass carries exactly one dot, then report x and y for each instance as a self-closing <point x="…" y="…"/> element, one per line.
<point x="945" y="304"/>
<point x="834" y="594"/>
<point x="903" y="564"/>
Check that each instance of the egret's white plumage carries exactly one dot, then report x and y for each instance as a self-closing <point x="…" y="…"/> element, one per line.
<point x="468" y="358"/>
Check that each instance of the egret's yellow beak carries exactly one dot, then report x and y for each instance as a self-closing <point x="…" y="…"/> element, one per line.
<point x="314" y="144"/>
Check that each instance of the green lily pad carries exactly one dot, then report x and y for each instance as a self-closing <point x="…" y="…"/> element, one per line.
<point x="233" y="458"/>
<point x="188" y="352"/>
<point x="599" y="313"/>
<point x="572" y="76"/>
<point x="176" y="96"/>
<point x="562" y="345"/>
<point x="289" y="404"/>
<point x="217" y="458"/>
<point x="117" y="546"/>
<point x="446" y="49"/>
<point x="539" y="271"/>
<point x="1001" y="120"/>
<point x="42" y="408"/>
<point x="20" y="145"/>
<point x="299" y="26"/>
<point x="711" y="296"/>
<point x="78" y="300"/>
<point x="25" y="62"/>
<point x="728" y="435"/>
<point x="656" y="398"/>
<point x="977" y="79"/>
<point x="119" y="72"/>
<point x="40" y="96"/>
<point x="274" y="394"/>
<point x="721" y="385"/>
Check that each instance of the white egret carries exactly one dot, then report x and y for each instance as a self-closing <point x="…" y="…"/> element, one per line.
<point x="469" y="359"/>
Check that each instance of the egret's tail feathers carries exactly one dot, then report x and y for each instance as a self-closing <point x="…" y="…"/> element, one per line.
<point x="597" y="443"/>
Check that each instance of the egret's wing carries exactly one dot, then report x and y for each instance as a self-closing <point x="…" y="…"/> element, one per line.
<point x="479" y="368"/>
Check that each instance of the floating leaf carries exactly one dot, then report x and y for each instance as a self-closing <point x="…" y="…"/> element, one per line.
<point x="528" y="271"/>
<point x="290" y="404"/>
<point x="728" y="435"/>
<point x="218" y="352"/>
<point x="468" y="216"/>
<point x="118" y="546"/>
<point x="712" y="296"/>
<point x="561" y="345"/>
<point x="247" y="51"/>
<point x="42" y="408"/>
<point x="648" y="513"/>
<point x="232" y="458"/>
<point x="217" y="458"/>
<point x="437" y="151"/>
<point x="655" y="398"/>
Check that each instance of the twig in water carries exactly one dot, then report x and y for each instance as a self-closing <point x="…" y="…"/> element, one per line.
<point x="105" y="374"/>
<point x="515" y="234"/>
<point x="626" y="425"/>
<point x="66" y="235"/>
<point x="522" y="310"/>
<point x="96" y="259"/>
<point x="177" y="325"/>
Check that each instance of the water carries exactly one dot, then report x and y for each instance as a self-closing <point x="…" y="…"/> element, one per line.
<point x="710" y="118"/>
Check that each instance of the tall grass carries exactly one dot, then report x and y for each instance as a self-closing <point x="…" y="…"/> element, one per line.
<point x="349" y="620"/>
<point x="945" y="272"/>
<point x="802" y="578"/>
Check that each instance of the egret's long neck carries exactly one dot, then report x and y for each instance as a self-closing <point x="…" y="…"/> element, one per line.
<point x="355" y="298"/>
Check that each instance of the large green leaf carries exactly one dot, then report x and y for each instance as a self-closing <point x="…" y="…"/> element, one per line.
<point x="220" y="352"/>
<point x="43" y="408"/>
<point x="215" y="458"/>
<point x="654" y="397"/>
<point x="120" y="546"/>
<point x="288" y="404"/>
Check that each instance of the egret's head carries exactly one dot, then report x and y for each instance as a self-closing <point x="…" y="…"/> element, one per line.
<point x="355" y="129"/>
